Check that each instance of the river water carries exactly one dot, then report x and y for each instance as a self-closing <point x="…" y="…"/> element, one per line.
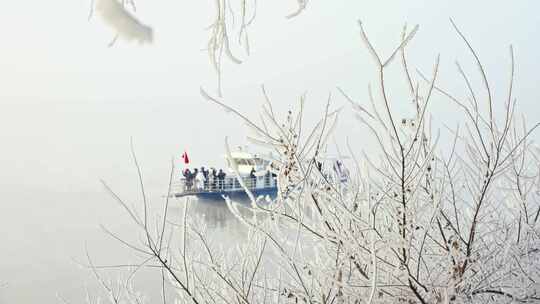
<point x="44" y="241"/>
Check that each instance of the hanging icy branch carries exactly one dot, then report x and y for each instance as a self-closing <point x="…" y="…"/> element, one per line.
<point x="120" y="20"/>
<point x="229" y="30"/>
<point x="220" y="42"/>
<point x="302" y="4"/>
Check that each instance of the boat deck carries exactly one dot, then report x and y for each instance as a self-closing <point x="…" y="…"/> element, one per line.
<point x="230" y="186"/>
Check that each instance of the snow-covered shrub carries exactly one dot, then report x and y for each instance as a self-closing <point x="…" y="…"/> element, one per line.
<point x="415" y="224"/>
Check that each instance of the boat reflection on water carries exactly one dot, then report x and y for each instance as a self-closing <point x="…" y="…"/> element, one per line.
<point x="215" y="214"/>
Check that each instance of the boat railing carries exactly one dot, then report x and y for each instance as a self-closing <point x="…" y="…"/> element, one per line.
<point x="193" y="186"/>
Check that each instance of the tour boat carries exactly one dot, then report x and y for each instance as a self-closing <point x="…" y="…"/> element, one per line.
<point x="255" y="173"/>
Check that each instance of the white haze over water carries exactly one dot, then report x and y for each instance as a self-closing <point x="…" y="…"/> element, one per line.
<point x="69" y="104"/>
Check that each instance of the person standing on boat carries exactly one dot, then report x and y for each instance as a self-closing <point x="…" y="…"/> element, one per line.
<point x="213" y="178"/>
<point x="200" y="180"/>
<point x="188" y="177"/>
<point x="221" y="178"/>
<point x="194" y="177"/>
<point x="205" y="174"/>
<point x="252" y="178"/>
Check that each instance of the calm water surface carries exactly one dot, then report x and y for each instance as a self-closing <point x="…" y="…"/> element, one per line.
<point x="45" y="235"/>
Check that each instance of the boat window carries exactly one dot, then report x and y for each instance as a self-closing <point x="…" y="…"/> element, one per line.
<point x="241" y="162"/>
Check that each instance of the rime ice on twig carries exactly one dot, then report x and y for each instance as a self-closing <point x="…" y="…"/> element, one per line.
<point x="220" y="43"/>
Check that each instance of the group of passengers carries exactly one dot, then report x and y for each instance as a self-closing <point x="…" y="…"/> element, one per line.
<point x="204" y="178"/>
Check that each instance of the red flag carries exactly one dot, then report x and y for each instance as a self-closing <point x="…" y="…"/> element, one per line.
<point x="185" y="158"/>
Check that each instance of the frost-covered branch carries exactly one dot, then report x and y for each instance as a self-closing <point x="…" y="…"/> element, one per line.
<point x="419" y="222"/>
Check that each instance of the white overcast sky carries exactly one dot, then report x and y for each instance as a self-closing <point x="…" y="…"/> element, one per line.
<point x="69" y="104"/>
